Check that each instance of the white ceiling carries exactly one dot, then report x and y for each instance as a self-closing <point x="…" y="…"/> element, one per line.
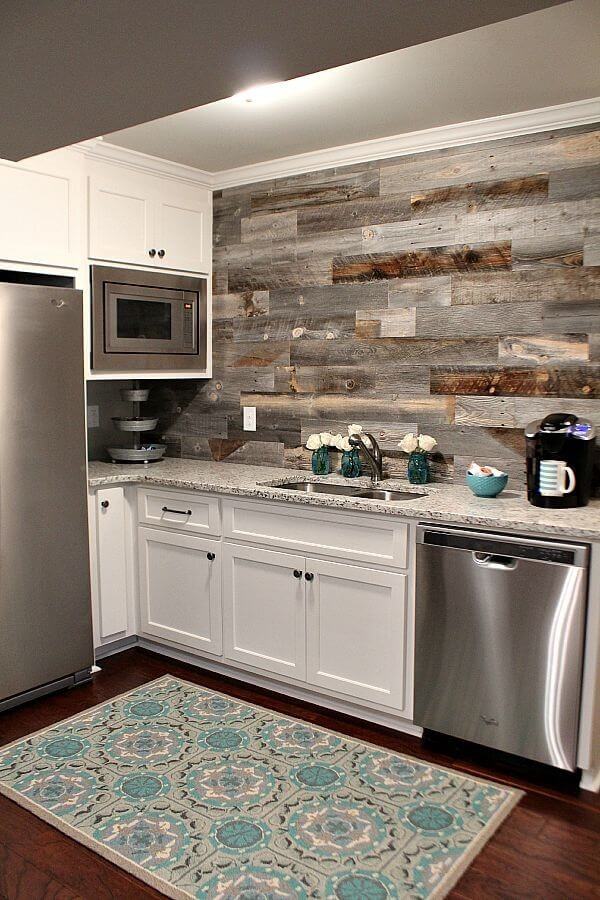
<point x="542" y="59"/>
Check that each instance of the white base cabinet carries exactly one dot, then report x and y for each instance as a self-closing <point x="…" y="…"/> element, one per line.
<point x="324" y="620"/>
<point x="111" y="541"/>
<point x="180" y="588"/>
<point x="356" y="631"/>
<point x="264" y="609"/>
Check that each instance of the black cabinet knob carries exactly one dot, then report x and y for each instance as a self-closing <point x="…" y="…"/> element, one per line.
<point x="309" y="576"/>
<point x="105" y="504"/>
<point x="210" y="556"/>
<point x="152" y="252"/>
<point x="297" y="573"/>
<point x="161" y="253"/>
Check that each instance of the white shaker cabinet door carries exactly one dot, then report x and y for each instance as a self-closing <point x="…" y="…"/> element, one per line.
<point x="356" y="631"/>
<point x="180" y="589"/>
<point x="121" y="216"/>
<point x="183" y="227"/>
<point x="39" y="211"/>
<point x="263" y="609"/>
<point x="111" y="564"/>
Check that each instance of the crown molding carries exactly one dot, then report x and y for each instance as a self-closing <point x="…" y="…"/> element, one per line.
<point x="104" y="151"/>
<point x="567" y="115"/>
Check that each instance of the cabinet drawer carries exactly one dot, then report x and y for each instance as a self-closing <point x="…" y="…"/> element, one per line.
<point x="364" y="538"/>
<point x="196" y="513"/>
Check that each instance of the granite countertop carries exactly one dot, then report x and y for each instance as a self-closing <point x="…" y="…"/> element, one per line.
<point x="450" y="503"/>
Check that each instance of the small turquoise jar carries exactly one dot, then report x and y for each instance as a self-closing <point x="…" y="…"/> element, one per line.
<point x="351" y="466"/>
<point x="321" y="464"/>
<point x="418" y="467"/>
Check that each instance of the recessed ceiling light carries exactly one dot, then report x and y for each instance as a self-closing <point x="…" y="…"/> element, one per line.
<point x="261" y="93"/>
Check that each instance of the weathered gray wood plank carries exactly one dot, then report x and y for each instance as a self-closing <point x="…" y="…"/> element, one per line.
<point x="478" y="196"/>
<point x="526" y="284"/>
<point x="506" y="159"/>
<point x="245" y="305"/>
<point x="554" y="317"/>
<point x="350" y="214"/>
<point x="338" y="406"/>
<point x="517" y="412"/>
<point x="317" y="189"/>
<point x="269" y="227"/>
<point x="364" y="381"/>
<point x="382" y="323"/>
<point x="434" y="291"/>
<point x="386" y="353"/>
<point x="543" y="349"/>
<point x="410" y="235"/>
<point x="293" y="327"/>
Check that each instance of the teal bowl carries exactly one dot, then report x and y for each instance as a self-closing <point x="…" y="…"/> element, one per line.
<point x="487" y="485"/>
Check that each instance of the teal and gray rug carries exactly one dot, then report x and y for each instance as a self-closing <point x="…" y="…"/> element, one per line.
<point x="201" y="795"/>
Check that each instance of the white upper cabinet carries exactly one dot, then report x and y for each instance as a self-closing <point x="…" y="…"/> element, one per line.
<point x="148" y="220"/>
<point x="40" y="210"/>
<point x="183" y="227"/>
<point x="120" y="215"/>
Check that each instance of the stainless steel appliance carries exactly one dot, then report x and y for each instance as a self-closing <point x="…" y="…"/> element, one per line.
<point x="45" y="616"/>
<point x="560" y="461"/>
<point x="499" y="640"/>
<point x="145" y="321"/>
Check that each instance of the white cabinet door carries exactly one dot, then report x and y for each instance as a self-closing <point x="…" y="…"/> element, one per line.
<point x="356" y="632"/>
<point x="111" y="564"/>
<point x="264" y="609"/>
<point x="39" y="211"/>
<point x="180" y="588"/>
<point x="121" y="215"/>
<point x="183" y="227"/>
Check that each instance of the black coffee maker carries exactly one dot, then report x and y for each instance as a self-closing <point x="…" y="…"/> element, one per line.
<point x="560" y="461"/>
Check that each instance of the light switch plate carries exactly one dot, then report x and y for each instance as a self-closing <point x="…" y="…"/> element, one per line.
<point x="93" y="417"/>
<point x="249" y="418"/>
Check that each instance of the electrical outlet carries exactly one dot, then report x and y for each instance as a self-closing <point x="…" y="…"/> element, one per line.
<point x="249" y="418"/>
<point x="93" y="417"/>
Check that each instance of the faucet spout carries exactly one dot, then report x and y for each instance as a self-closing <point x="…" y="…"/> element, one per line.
<point x="372" y="454"/>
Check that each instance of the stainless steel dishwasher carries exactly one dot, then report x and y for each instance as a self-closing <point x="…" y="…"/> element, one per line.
<point x="499" y="640"/>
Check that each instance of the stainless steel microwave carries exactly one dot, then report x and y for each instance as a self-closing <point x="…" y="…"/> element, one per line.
<point x="147" y="321"/>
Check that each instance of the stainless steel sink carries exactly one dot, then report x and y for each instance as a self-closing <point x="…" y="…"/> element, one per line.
<point x="318" y="487"/>
<point x="382" y="494"/>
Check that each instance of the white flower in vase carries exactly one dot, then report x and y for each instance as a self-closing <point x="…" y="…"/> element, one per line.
<point x="409" y="443"/>
<point x="314" y="442"/>
<point x="426" y="442"/>
<point x="327" y="439"/>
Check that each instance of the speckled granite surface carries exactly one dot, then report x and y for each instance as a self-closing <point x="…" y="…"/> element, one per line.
<point x="442" y="503"/>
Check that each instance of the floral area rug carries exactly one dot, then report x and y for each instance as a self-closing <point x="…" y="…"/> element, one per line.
<point x="201" y="795"/>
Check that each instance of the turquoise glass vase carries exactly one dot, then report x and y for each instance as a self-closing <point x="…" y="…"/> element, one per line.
<point x="321" y="464"/>
<point x="418" y="467"/>
<point x="351" y="467"/>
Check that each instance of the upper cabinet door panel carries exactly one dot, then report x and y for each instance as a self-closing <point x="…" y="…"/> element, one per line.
<point x="39" y="211"/>
<point x="121" y="213"/>
<point x="184" y="226"/>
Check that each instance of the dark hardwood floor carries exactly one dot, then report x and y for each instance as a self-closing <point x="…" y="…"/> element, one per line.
<point x="548" y="848"/>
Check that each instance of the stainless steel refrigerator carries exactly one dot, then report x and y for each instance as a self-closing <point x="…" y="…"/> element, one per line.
<point x="45" y="616"/>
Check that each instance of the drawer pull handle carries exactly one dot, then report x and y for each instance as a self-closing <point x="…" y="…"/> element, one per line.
<point x="105" y="504"/>
<point x="210" y="556"/>
<point x="180" y="512"/>
<point x="309" y="576"/>
<point x="297" y="573"/>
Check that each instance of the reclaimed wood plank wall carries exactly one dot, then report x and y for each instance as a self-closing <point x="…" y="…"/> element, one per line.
<point x="455" y="292"/>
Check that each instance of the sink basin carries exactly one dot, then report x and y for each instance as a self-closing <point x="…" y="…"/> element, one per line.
<point x="318" y="487"/>
<point x="382" y="494"/>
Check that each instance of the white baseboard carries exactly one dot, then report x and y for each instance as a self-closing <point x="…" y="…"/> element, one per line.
<point x="341" y="706"/>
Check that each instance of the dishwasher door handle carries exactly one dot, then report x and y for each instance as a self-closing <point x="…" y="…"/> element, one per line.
<point x="494" y="561"/>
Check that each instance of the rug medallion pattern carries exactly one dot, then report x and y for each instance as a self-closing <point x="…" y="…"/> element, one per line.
<point x="204" y="796"/>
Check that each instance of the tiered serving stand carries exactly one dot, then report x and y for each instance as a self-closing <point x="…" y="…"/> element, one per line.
<point x="136" y="425"/>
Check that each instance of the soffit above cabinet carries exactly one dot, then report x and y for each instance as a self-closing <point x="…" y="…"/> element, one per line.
<point x="71" y="71"/>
